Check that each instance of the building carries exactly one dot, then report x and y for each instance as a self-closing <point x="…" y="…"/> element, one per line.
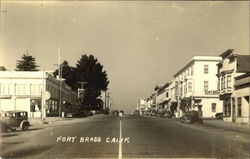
<point x="196" y="86"/>
<point x="24" y="90"/>
<point x="172" y="97"/>
<point x="233" y="86"/>
<point x="240" y="99"/>
<point x="162" y="98"/>
<point x="142" y="106"/>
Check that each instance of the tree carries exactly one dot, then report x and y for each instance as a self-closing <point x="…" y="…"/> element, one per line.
<point x="2" y="68"/>
<point x="27" y="63"/>
<point x="68" y="73"/>
<point x="89" y="70"/>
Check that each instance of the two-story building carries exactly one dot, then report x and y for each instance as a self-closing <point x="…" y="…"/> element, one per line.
<point x="196" y="86"/>
<point x="240" y="98"/>
<point x="172" y="97"/>
<point x="233" y="86"/>
<point x="25" y="90"/>
<point x="162" y="97"/>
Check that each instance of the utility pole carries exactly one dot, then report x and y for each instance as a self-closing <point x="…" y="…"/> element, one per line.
<point x="107" y="100"/>
<point x="81" y="90"/>
<point x="105" y="96"/>
<point x="178" y="98"/>
<point x="43" y="99"/>
<point x="60" y="80"/>
<point x="111" y="103"/>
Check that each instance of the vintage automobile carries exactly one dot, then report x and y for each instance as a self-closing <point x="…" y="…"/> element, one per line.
<point x="168" y="114"/>
<point x="10" y="120"/>
<point x="219" y="116"/>
<point x="191" y="117"/>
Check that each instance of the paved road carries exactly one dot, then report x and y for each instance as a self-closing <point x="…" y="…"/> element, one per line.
<point x="143" y="137"/>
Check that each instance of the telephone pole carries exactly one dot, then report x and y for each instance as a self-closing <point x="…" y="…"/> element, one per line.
<point x="81" y="90"/>
<point x="108" y="100"/>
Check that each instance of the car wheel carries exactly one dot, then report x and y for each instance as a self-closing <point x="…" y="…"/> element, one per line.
<point x="25" y="126"/>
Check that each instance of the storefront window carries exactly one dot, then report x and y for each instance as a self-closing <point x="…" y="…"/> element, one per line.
<point x="205" y="69"/>
<point x="189" y="87"/>
<point x="229" y="81"/>
<point x="205" y="85"/>
<point x="213" y="107"/>
<point x="227" y="107"/>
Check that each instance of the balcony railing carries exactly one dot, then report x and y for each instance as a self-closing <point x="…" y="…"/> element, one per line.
<point x="226" y="90"/>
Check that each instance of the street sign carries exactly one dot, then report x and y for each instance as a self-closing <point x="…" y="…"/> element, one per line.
<point x="47" y="95"/>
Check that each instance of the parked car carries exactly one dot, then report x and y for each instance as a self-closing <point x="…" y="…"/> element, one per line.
<point x="75" y="115"/>
<point x="191" y="117"/>
<point x="160" y="113"/>
<point x="86" y="113"/>
<point x="115" y="112"/>
<point x="152" y="112"/>
<point x="10" y="120"/>
<point x="219" y="116"/>
<point x="168" y="114"/>
<point x="136" y="112"/>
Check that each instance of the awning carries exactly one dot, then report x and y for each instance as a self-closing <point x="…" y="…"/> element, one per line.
<point x="197" y="100"/>
<point x="242" y="81"/>
<point x="186" y="98"/>
<point x="225" y="96"/>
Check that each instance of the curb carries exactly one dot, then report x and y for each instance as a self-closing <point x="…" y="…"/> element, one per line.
<point x="225" y="127"/>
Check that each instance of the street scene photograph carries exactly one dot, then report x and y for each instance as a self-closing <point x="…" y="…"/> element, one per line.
<point x="124" y="79"/>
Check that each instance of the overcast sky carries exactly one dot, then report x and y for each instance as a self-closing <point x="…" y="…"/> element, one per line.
<point x="139" y="43"/>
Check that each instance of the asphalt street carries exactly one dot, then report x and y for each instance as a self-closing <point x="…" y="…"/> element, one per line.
<point x="130" y="136"/>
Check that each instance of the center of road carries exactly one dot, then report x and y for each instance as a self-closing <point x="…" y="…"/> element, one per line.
<point x="120" y="143"/>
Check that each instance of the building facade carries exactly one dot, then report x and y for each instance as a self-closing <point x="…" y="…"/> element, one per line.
<point x="172" y="97"/>
<point x="233" y="86"/>
<point x="24" y="90"/>
<point x="162" y="98"/>
<point x="196" y="86"/>
<point x="142" y="106"/>
<point x="240" y="99"/>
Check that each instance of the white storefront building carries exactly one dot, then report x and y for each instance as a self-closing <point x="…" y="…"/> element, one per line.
<point x="196" y="86"/>
<point x="22" y="90"/>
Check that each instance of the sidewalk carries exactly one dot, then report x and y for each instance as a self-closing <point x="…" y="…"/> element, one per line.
<point x="226" y="125"/>
<point x="49" y="120"/>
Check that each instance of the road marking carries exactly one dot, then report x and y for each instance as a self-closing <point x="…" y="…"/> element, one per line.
<point x="120" y="143"/>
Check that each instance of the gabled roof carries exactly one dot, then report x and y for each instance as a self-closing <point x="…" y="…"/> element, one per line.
<point x="226" y="53"/>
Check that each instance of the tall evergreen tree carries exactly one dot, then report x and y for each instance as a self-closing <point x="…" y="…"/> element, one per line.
<point x="89" y="70"/>
<point x="27" y="63"/>
<point x="2" y="68"/>
<point x="68" y="73"/>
